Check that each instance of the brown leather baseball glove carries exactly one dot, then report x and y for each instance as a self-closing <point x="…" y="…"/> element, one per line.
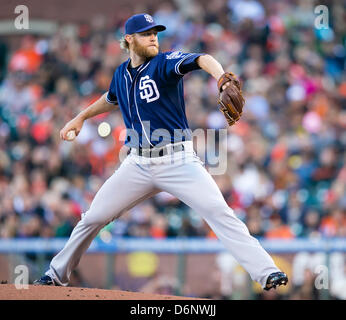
<point x="231" y="99"/>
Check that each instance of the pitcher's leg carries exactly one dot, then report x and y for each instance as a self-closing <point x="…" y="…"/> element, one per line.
<point x="193" y="185"/>
<point x="124" y="189"/>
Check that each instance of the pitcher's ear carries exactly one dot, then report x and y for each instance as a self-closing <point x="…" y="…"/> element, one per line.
<point x="128" y="38"/>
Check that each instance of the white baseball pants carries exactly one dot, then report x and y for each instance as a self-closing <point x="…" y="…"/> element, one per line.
<point x="181" y="174"/>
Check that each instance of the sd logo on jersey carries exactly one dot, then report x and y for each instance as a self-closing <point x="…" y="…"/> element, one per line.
<point x="148" y="89"/>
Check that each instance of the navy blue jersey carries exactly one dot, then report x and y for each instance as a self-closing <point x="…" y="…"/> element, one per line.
<point x="151" y="98"/>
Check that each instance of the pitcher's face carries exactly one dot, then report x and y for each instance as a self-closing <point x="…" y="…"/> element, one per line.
<point x="145" y="44"/>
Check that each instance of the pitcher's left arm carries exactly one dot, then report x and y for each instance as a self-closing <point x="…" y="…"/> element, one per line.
<point x="230" y="98"/>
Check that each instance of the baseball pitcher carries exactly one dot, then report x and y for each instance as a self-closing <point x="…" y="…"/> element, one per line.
<point x="148" y="89"/>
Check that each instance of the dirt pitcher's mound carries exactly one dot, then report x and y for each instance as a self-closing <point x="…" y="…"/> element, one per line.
<point x="10" y="292"/>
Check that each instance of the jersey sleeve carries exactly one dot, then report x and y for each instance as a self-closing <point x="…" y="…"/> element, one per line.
<point x="111" y="95"/>
<point x="177" y="64"/>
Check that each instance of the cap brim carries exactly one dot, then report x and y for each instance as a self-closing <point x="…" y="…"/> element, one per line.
<point x="158" y="27"/>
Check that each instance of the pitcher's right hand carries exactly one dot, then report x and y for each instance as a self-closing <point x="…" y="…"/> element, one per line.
<point x="75" y="124"/>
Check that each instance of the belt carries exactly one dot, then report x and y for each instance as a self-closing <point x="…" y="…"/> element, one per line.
<point x="158" y="152"/>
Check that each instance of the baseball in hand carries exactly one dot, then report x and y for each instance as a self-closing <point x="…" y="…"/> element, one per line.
<point x="71" y="135"/>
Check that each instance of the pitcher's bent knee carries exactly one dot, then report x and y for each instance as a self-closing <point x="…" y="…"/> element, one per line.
<point x="93" y="219"/>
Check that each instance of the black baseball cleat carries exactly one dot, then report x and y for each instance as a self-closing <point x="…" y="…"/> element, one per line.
<point x="276" y="279"/>
<point x="45" y="281"/>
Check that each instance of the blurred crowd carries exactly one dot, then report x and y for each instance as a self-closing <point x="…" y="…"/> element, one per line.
<point x="286" y="170"/>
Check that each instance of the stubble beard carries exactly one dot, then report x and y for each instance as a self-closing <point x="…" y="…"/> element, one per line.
<point x="146" y="52"/>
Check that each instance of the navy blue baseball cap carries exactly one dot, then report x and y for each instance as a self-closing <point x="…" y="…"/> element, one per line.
<point x="140" y="23"/>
